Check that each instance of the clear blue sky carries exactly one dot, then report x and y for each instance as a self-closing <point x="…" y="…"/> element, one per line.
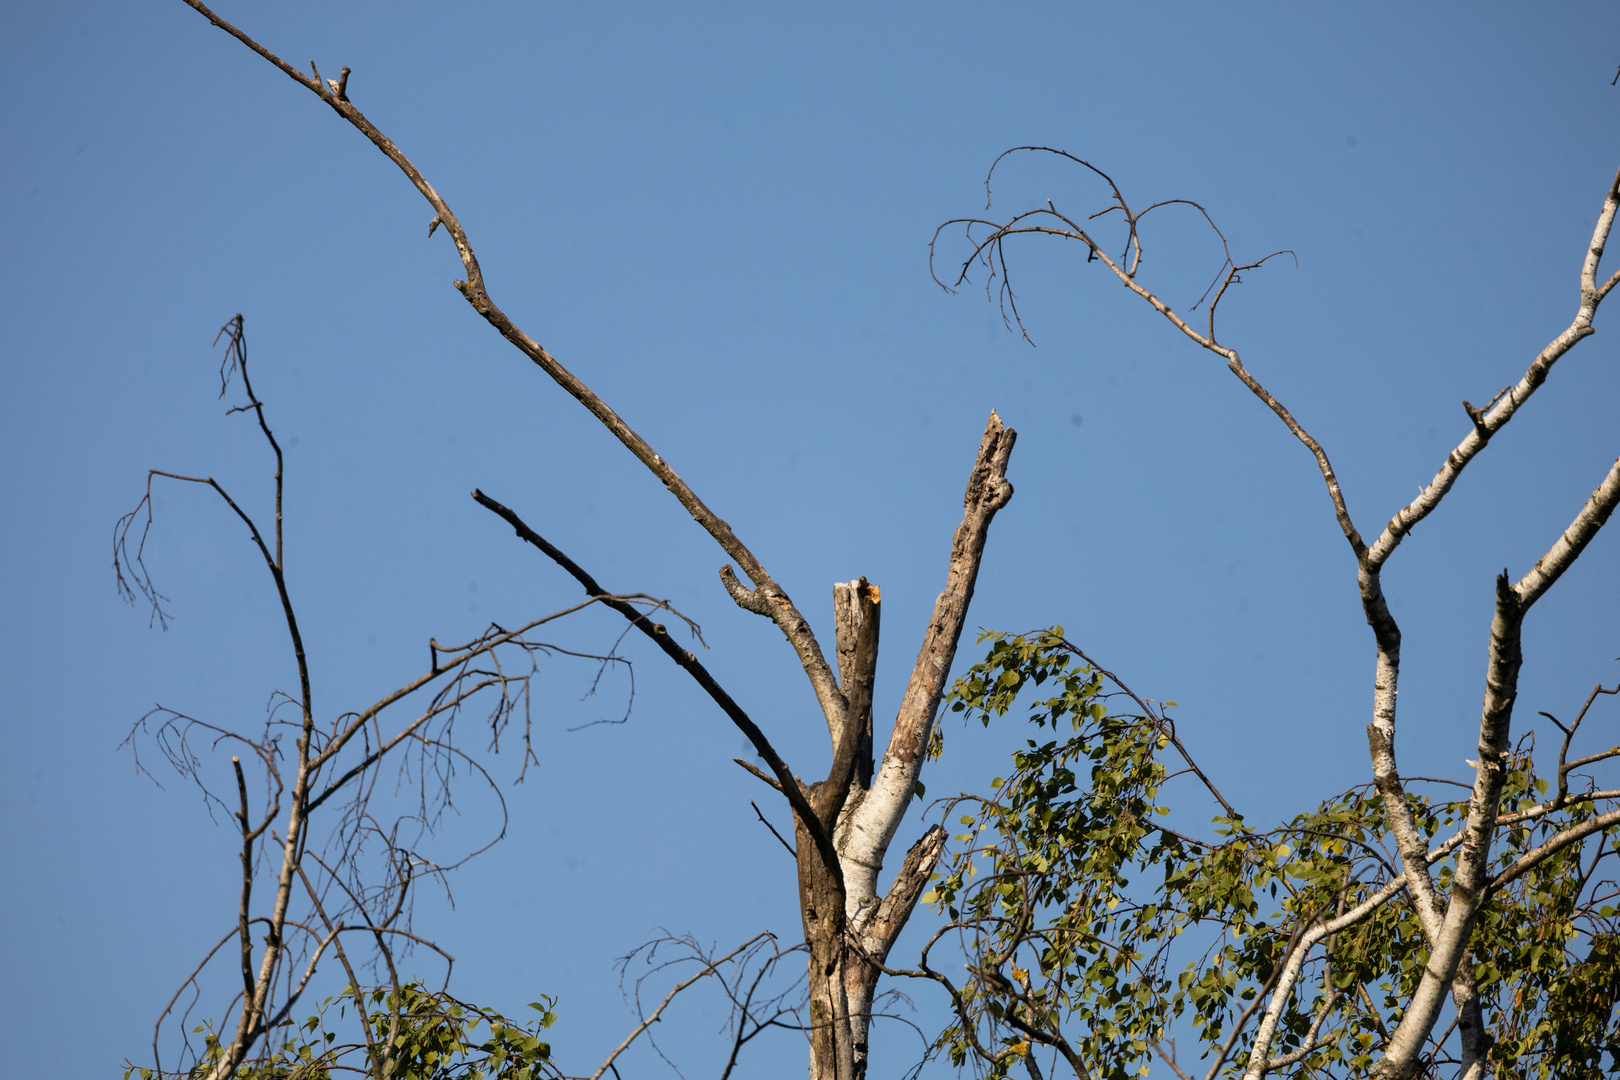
<point x="717" y="215"/>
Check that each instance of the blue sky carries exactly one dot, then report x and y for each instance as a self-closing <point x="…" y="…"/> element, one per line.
<point x="717" y="215"/>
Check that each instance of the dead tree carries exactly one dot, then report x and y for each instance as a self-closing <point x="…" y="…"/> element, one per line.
<point x="358" y="874"/>
<point x="1447" y="916"/>
<point x="342" y="854"/>
<point x="844" y="823"/>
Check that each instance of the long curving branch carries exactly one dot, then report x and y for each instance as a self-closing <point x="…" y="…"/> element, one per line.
<point x="788" y="785"/>
<point x="766" y="597"/>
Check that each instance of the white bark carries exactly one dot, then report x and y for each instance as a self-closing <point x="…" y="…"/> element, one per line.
<point x="871" y="825"/>
<point x="1470" y="884"/>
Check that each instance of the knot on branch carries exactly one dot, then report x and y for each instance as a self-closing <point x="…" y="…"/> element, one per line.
<point x="1508" y="601"/>
<point x="1477" y="415"/>
<point x="988" y="489"/>
<point x="1381" y="747"/>
<point x="340" y="85"/>
<point x="1000" y="494"/>
<point x="754" y="600"/>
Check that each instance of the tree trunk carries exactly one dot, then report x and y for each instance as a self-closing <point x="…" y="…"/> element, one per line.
<point x="849" y="928"/>
<point x="821" y="908"/>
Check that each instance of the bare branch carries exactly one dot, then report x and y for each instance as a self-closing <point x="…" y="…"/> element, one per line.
<point x="857" y="613"/>
<point x="762" y="820"/>
<point x="1125" y="270"/>
<point x="1494" y="417"/>
<point x="687" y="662"/>
<point x="1599" y="505"/>
<point x="760" y="773"/>
<point x="1563" y="750"/>
<point x="710" y="967"/>
<point x="777" y="604"/>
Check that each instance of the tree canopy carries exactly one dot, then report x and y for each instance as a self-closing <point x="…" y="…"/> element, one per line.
<point x="647" y="186"/>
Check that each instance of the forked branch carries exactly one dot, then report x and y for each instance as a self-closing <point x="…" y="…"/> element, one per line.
<point x="987" y="241"/>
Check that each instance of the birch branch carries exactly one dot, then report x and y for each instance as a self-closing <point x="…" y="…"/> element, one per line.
<point x="878" y="927"/>
<point x="1488" y="421"/>
<point x="1568" y="547"/>
<point x="1296" y="960"/>
<point x="874" y="929"/>
<point x="1470" y="887"/>
<point x="1310" y="1045"/>
<point x="1554" y="844"/>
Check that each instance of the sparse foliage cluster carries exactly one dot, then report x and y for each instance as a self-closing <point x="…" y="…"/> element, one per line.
<point x="1469" y="951"/>
<point x="428" y="1035"/>
<point x="1093" y="918"/>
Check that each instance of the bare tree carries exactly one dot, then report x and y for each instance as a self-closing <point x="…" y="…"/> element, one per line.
<point x="360" y="877"/>
<point x="845" y="823"/>
<point x="342" y="850"/>
<point x="1448" y="887"/>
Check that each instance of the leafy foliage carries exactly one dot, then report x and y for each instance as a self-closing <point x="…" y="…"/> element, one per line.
<point x="1094" y="923"/>
<point x="409" y="1034"/>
